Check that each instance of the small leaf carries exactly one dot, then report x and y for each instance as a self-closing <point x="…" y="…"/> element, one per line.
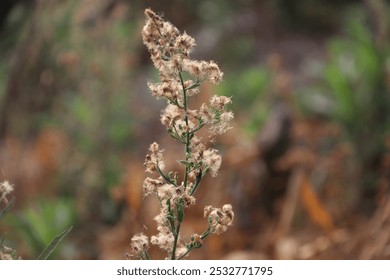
<point x="195" y="85"/>
<point x="180" y="211"/>
<point x="7" y="207"/>
<point x="53" y="245"/>
<point x="168" y="203"/>
<point x="184" y="162"/>
<point x="170" y="215"/>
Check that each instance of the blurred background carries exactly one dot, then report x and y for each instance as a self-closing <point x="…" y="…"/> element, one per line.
<point x="306" y="166"/>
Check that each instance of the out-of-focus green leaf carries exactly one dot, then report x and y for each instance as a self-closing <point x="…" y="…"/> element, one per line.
<point x="342" y="93"/>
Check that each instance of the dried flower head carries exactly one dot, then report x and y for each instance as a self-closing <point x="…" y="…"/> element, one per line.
<point x="212" y="160"/>
<point x="5" y="189"/>
<point x="139" y="243"/>
<point x="219" y="219"/>
<point x="151" y="186"/>
<point x="7" y="253"/>
<point x="155" y="160"/>
<point x="164" y="241"/>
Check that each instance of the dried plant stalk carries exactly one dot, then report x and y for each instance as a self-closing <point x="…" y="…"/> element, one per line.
<point x="180" y="78"/>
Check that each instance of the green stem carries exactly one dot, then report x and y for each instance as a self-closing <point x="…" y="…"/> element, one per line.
<point x="184" y="91"/>
<point x="187" y="152"/>
<point x="187" y="140"/>
<point x="202" y="237"/>
<point x="185" y="254"/>
<point x="207" y="232"/>
<point x="145" y="255"/>
<point x="198" y="128"/>
<point x="176" y="238"/>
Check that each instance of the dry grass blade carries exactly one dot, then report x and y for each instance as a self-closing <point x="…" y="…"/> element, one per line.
<point x="314" y="207"/>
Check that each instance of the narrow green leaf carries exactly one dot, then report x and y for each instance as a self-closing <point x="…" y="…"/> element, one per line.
<point x="184" y="162"/>
<point x="197" y="182"/>
<point x="193" y="86"/>
<point x="7" y="207"/>
<point x="180" y="211"/>
<point x="53" y="245"/>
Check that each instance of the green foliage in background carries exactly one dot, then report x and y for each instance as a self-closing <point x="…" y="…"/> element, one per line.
<point x="249" y="89"/>
<point x="356" y="78"/>
<point x="352" y="88"/>
<point x="42" y="226"/>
